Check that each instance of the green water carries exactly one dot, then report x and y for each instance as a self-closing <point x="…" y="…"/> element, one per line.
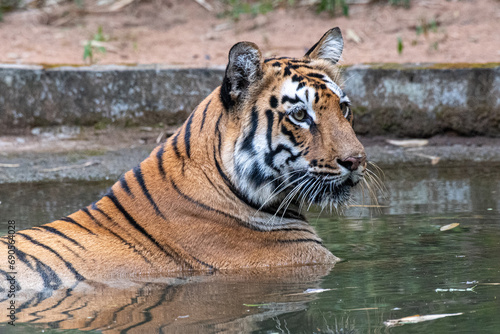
<point x="398" y="264"/>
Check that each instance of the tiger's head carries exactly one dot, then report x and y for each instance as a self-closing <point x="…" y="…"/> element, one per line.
<point x="290" y="139"/>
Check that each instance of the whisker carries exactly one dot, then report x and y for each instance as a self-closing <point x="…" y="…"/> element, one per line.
<point x="315" y="194"/>
<point x="281" y="187"/>
<point x="287" y="198"/>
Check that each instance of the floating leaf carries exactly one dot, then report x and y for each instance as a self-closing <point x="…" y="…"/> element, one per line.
<point x="9" y="165"/>
<point x="417" y="318"/>
<point x="448" y="227"/>
<point x="433" y="158"/>
<point x="456" y="290"/>
<point x="408" y="142"/>
<point x="316" y="290"/>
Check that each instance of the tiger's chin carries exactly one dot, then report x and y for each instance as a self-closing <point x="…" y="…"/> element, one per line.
<point x="335" y="196"/>
<point x="324" y="194"/>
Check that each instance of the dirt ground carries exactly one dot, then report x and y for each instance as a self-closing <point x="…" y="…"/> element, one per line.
<point x="75" y="153"/>
<point x="184" y="33"/>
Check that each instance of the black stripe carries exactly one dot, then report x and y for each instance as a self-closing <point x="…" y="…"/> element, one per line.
<point x="141" y="229"/>
<point x="20" y="255"/>
<point x="273" y="101"/>
<point x="297" y="78"/>
<point x="299" y="65"/>
<point x="289" y="134"/>
<point x="68" y="265"/>
<point x="2" y="290"/>
<point x="145" y="191"/>
<point x="159" y="156"/>
<point x="49" y="277"/>
<point x="298" y="61"/>
<point x="247" y="144"/>
<point x="72" y="221"/>
<point x="174" y="144"/>
<point x="218" y="132"/>
<point x="187" y="135"/>
<point x="269" y="156"/>
<point x="287" y="71"/>
<point x="59" y="233"/>
<point x="257" y="176"/>
<point x="267" y="60"/>
<point x="124" y="185"/>
<point x="94" y="207"/>
<point x="293" y="100"/>
<point x="204" y="115"/>
<point x="270" y="123"/>
<point x="72" y="251"/>
<point x="288" y="241"/>
<point x="40" y="296"/>
<point x="296" y="229"/>
<point x="316" y="75"/>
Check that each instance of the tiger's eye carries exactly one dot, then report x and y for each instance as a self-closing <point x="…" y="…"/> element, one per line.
<point x="299" y="115"/>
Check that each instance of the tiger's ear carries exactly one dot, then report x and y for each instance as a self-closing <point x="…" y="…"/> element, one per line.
<point x="329" y="47"/>
<point x="243" y="70"/>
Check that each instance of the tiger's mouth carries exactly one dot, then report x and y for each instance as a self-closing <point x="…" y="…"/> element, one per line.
<point x="323" y="189"/>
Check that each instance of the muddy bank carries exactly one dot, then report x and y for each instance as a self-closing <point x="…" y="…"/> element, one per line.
<point x="93" y="154"/>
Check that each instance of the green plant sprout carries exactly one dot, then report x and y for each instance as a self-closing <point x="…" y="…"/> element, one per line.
<point x="424" y="27"/>
<point x="236" y="8"/>
<point x="404" y="3"/>
<point x="331" y="6"/>
<point x="94" y="45"/>
<point x="400" y="45"/>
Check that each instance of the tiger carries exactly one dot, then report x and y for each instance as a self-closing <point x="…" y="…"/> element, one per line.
<point x="227" y="191"/>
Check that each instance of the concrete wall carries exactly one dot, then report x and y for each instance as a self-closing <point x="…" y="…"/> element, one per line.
<point x="406" y="100"/>
<point x="423" y="100"/>
<point x="33" y="96"/>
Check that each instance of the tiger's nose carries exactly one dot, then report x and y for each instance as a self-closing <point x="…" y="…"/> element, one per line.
<point x="352" y="163"/>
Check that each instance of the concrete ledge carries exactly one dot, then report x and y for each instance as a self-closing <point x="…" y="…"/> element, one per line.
<point x="413" y="100"/>
<point x="420" y="100"/>
<point x="35" y="96"/>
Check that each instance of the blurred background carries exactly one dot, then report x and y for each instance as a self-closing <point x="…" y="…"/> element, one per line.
<point x="199" y="33"/>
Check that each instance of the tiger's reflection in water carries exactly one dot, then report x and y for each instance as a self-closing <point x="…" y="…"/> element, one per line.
<point x="234" y="302"/>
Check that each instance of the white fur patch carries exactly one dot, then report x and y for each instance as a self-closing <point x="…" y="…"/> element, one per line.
<point x="291" y="90"/>
<point x="335" y="89"/>
<point x="332" y="47"/>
